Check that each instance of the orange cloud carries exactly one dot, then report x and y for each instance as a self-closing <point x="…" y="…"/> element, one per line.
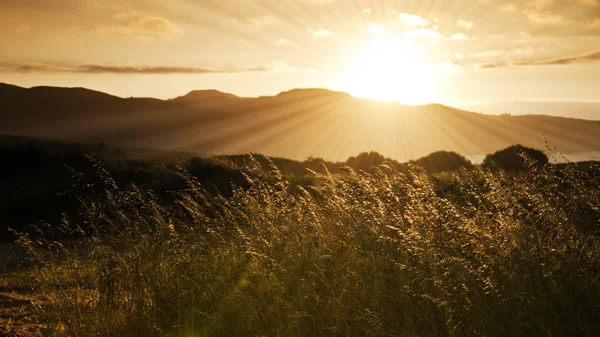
<point x="465" y="24"/>
<point x="323" y="34"/>
<point x="261" y="21"/>
<point x="585" y="57"/>
<point x="592" y="56"/>
<point x="459" y="36"/>
<point x="545" y="17"/>
<point x="489" y="66"/>
<point x="424" y="33"/>
<point x="275" y="66"/>
<point x="413" y="19"/>
<point x="136" y="24"/>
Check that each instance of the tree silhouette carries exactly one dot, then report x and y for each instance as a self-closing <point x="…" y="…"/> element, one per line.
<point x="443" y="161"/>
<point x="515" y="158"/>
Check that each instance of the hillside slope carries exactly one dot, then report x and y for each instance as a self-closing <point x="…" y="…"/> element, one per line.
<point x="294" y="124"/>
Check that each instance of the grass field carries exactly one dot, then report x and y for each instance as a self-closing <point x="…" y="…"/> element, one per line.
<point x="466" y="253"/>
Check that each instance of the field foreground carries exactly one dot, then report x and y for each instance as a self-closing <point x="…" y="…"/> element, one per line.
<point x="468" y="253"/>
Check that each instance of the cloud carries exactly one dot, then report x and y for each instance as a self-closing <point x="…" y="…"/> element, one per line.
<point x="261" y="21"/>
<point x="424" y="33"/>
<point x="507" y="8"/>
<point x="581" y="58"/>
<point x="489" y="66"/>
<point x="413" y="20"/>
<point x="545" y="17"/>
<point x="275" y="66"/>
<point x="126" y="69"/>
<point x="465" y="24"/>
<point x="545" y="11"/>
<point x="137" y="24"/>
<point x="284" y="43"/>
<point x="540" y="5"/>
<point x="283" y="67"/>
<point x="560" y="13"/>
<point x="489" y="53"/>
<point x="323" y="34"/>
<point x="459" y="36"/>
<point x="37" y="67"/>
<point x="592" y="56"/>
<point x="448" y="67"/>
<point x="524" y="50"/>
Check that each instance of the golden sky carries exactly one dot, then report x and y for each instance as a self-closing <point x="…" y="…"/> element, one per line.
<point x="446" y="51"/>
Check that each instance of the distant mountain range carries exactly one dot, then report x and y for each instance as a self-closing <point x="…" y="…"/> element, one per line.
<point x="582" y="110"/>
<point x="295" y="124"/>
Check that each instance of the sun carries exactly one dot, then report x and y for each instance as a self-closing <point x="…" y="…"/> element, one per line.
<point x="391" y="69"/>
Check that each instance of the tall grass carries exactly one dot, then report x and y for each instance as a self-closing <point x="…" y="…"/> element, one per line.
<point x="472" y="253"/>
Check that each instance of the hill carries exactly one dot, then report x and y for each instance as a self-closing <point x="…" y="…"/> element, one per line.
<point x="294" y="124"/>
<point x="581" y="110"/>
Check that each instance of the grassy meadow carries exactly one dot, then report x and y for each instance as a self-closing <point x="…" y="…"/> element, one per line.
<point x="389" y="251"/>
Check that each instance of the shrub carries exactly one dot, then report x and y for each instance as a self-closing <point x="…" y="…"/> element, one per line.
<point x="515" y="158"/>
<point x="443" y="161"/>
<point x="366" y="161"/>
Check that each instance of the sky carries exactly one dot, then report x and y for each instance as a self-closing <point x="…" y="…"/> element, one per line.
<point x="412" y="51"/>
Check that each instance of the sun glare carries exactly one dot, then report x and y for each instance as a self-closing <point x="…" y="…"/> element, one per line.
<point x="391" y="69"/>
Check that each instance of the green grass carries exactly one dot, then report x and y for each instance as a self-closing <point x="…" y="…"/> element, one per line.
<point x="469" y="253"/>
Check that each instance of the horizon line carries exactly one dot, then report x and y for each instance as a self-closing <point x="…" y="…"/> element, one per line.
<point x="453" y="104"/>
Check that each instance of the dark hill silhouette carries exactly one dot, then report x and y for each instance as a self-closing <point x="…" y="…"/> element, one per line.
<point x="8" y="91"/>
<point x="44" y="94"/>
<point x="310" y="93"/>
<point x="295" y="124"/>
<point x="198" y="95"/>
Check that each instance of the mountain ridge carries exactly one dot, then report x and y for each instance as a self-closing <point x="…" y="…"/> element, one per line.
<point x="296" y="124"/>
<point x="569" y="109"/>
<point x="193" y="94"/>
<point x="205" y="94"/>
